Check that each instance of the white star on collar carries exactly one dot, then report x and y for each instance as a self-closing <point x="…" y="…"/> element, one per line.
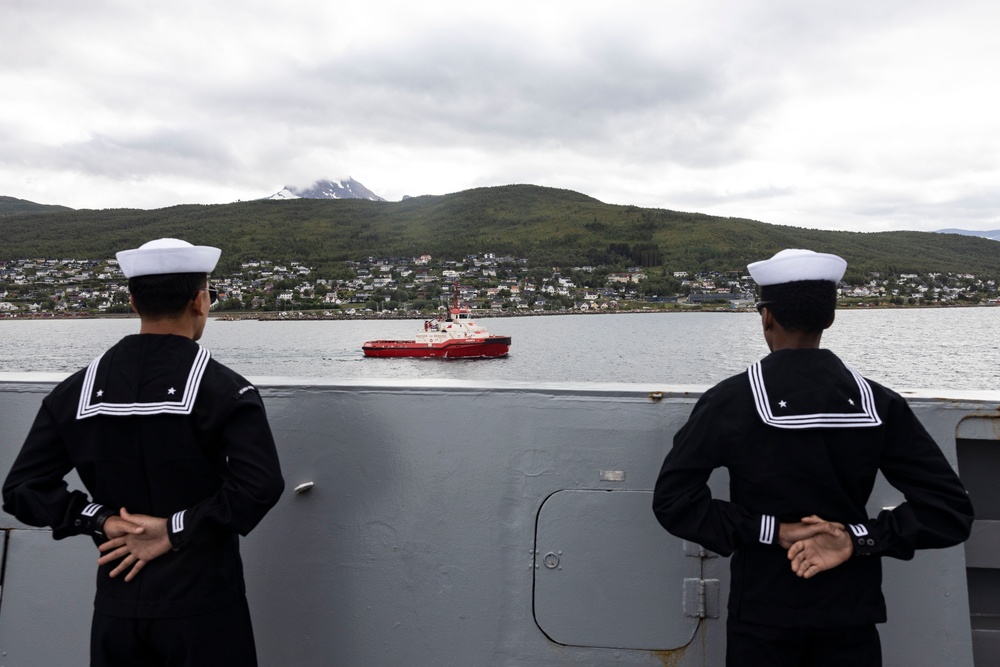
<point x="851" y="401"/>
<point x="171" y="391"/>
<point x="782" y="404"/>
<point x="100" y="392"/>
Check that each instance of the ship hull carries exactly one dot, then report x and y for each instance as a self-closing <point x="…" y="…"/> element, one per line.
<point x="458" y="348"/>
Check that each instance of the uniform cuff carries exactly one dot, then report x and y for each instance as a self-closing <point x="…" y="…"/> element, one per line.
<point x="92" y="518"/>
<point x="863" y="539"/>
<point x="99" y="520"/>
<point x="176" y="529"/>
<point x="768" y="529"/>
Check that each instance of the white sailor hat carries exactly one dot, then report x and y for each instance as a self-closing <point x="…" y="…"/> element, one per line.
<point x="793" y="265"/>
<point x="167" y="256"/>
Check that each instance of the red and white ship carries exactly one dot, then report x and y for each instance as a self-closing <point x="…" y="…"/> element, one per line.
<point x="453" y="338"/>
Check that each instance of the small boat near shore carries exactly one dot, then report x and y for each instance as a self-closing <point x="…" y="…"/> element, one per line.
<point x="457" y="337"/>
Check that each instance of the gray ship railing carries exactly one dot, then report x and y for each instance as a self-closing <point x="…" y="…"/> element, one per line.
<point x="455" y="523"/>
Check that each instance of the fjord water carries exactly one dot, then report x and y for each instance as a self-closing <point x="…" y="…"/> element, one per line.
<point x="936" y="348"/>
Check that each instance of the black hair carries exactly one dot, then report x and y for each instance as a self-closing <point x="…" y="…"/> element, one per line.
<point x="165" y="294"/>
<point x="803" y="305"/>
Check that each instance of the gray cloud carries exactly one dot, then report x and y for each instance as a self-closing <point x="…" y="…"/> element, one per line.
<point x="849" y="115"/>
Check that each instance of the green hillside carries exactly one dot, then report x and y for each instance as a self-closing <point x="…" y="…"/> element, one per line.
<point x="550" y="227"/>
<point x="11" y="206"/>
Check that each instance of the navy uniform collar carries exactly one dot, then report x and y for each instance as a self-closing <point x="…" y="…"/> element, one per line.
<point x="803" y="389"/>
<point x="144" y="374"/>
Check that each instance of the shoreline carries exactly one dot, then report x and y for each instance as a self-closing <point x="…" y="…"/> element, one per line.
<point x="300" y="315"/>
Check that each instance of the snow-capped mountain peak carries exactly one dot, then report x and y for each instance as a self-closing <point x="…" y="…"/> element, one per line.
<point x="346" y="188"/>
<point x="284" y="193"/>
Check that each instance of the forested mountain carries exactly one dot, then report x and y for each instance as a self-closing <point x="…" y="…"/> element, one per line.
<point x="14" y="206"/>
<point x="987" y="234"/>
<point x="547" y="226"/>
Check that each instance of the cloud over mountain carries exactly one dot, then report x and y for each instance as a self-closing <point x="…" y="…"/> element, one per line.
<point x="347" y="188"/>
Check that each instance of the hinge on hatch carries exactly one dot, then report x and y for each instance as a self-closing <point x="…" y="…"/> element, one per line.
<point x="701" y="598"/>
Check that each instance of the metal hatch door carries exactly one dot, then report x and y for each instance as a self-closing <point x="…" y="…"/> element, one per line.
<point x="607" y="575"/>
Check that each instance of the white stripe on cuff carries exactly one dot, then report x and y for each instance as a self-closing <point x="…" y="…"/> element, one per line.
<point x="767" y="529"/>
<point x="92" y="509"/>
<point x="858" y="529"/>
<point x="177" y="522"/>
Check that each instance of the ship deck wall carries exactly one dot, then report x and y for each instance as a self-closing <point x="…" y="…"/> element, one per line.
<point x="452" y="523"/>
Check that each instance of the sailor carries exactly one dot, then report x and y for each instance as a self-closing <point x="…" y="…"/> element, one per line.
<point x="803" y="436"/>
<point x="177" y="461"/>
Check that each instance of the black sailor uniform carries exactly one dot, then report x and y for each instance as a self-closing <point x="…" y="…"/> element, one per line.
<point x="801" y="433"/>
<point x="156" y="426"/>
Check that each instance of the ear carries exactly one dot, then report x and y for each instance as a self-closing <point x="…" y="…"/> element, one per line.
<point x="829" y="324"/>
<point x="767" y="324"/>
<point x="767" y="319"/>
<point x="197" y="305"/>
<point x="131" y="303"/>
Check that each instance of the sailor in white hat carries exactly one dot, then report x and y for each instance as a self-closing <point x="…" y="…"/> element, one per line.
<point x="178" y="265"/>
<point x="177" y="461"/>
<point x="801" y="287"/>
<point x="803" y="437"/>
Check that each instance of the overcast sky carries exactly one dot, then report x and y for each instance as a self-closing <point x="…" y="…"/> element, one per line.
<point x="850" y="115"/>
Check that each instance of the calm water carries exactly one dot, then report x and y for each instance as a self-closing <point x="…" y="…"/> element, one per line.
<point x="908" y="349"/>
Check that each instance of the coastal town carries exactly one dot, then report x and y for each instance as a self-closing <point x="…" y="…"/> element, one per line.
<point x="415" y="286"/>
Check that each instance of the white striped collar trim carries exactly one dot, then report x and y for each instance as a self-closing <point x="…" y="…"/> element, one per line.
<point x="182" y="406"/>
<point x="868" y="416"/>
